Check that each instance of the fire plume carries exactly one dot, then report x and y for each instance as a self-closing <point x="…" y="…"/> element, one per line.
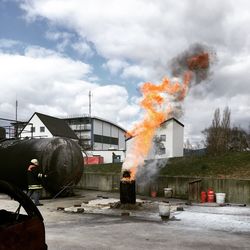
<point x="200" y="61"/>
<point x="157" y="105"/>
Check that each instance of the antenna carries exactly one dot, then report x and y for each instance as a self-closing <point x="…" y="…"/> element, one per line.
<point x="16" y="125"/>
<point x="16" y="109"/>
<point x="90" y="103"/>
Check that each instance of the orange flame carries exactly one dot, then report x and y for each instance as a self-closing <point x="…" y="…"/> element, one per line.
<point x="200" y="61"/>
<point x="158" y="108"/>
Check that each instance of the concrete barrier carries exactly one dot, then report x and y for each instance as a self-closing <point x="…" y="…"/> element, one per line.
<point x="100" y="181"/>
<point x="237" y="191"/>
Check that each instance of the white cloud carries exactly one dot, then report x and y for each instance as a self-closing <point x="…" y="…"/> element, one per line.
<point x="117" y="29"/>
<point x="138" y="38"/>
<point x="38" y="77"/>
<point x="65" y="40"/>
<point x="47" y="82"/>
<point x="54" y="36"/>
<point x="136" y="71"/>
<point x="111" y="102"/>
<point x="129" y="113"/>
<point x="39" y="52"/>
<point x="159" y="29"/>
<point x="115" y="65"/>
<point x="82" y="48"/>
<point x="8" y="43"/>
<point x="198" y="114"/>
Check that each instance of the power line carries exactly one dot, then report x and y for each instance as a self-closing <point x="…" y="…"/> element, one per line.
<point x="9" y="120"/>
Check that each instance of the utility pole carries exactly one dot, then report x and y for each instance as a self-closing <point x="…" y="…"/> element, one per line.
<point x="16" y="126"/>
<point x="90" y="103"/>
<point x="16" y="109"/>
<point x="90" y="120"/>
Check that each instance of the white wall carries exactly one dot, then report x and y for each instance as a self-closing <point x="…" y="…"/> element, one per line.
<point x="121" y="138"/>
<point x="178" y="135"/>
<point x="167" y="130"/>
<point x="104" y="146"/>
<point x="37" y="123"/>
<point x="97" y="127"/>
<point x="173" y="144"/>
<point x="174" y="139"/>
<point x="97" y="146"/>
<point x="114" y="131"/>
<point x="107" y="129"/>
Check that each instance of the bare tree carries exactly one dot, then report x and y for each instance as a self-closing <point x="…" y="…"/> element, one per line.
<point x="218" y="134"/>
<point x="221" y="138"/>
<point x="225" y="130"/>
<point x="188" y="145"/>
<point x="213" y="134"/>
<point x="216" y="120"/>
<point x="239" y="139"/>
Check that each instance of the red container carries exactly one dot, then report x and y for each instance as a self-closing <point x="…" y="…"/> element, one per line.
<point x="96" y="159"/>
<point x="153" y="194"/>
<point x="203" y="196"/>
<point x="210" y="195"/>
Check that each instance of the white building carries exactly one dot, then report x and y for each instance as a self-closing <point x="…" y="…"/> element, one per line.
<point x="44" y="126"/>
<point x="168" y="140"/>
<point x="98" y="136"/>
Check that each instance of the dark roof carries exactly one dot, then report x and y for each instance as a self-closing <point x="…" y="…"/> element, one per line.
<point x="111" y="123"/>
<point x="174" y="120"/>
<point x="56" y="126"/>
<point x="161" y="124"/>
<point x="92" y="118"/>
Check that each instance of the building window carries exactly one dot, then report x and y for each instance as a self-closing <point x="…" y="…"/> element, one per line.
<point x="42" y="129"/>
<point x="33" y="129"/>
<point x="163" y="137"/>
<point x="106" y="139"/>
<point x="162" y="151"/>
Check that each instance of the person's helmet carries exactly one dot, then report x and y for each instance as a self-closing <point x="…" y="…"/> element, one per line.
<point x="35" y="162"/>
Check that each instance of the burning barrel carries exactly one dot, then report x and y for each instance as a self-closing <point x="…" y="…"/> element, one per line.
<point x="127" y="188"/>
<point x="60" y="159"/>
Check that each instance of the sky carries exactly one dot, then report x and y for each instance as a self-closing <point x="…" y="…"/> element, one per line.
<point x="53" y="52"/>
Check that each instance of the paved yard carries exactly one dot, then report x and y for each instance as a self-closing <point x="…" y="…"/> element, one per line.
<point x="197" y="227"/>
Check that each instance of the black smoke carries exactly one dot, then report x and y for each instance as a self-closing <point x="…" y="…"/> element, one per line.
<point x="181" y="63"/>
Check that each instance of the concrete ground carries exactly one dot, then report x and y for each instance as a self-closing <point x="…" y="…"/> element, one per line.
<point x="99" y="227"/>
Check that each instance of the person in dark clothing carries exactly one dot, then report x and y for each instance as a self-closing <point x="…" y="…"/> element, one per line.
<point x="34" y="175"/>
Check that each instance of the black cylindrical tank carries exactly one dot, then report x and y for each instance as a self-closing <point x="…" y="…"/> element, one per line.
<point x="60" y="158"/>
